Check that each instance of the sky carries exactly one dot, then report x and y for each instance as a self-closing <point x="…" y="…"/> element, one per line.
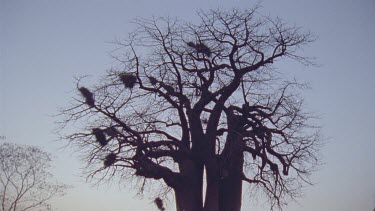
<point x="45" y="43"/>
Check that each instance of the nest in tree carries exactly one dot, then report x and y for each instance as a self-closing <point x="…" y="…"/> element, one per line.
<point x="100" y="136"/>
<point x="110" y="159"/>
<point x="89" y="97"/>
<point x="111" y="131"/>
<point x="153" y="80"/>
<point x="128" y="80"/>
<point x="200" y="48"/>
<point x="159" y="203"/>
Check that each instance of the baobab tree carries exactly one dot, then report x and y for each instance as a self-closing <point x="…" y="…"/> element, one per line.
<point x="195" y="99"/>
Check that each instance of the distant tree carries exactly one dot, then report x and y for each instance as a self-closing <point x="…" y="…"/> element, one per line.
<point x="25" y="183"/>
<point x="193" y="98"/>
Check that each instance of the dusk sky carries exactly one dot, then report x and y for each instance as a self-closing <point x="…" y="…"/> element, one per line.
<point x="44" y="44"/>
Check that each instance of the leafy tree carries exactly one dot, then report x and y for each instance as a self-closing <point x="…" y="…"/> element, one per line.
<point x="192" y="98"/>
<point x="24" y="180"/>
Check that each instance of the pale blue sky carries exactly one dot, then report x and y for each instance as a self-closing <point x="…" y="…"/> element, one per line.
<point x="44" y="43"/>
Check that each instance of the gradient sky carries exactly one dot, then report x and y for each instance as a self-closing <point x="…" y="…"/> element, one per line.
<point x="45" y="43"/>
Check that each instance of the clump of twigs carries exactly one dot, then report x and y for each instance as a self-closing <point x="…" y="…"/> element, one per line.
<point x="200" y="48"/>
<point x="159" y="203"/>
<point x="100" y="136"/>
<point x="128" y="80"/>
<point x="110" y="159"/>
<point x="89" y="97"/>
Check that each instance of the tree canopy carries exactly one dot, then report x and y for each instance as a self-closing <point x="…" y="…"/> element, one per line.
<point x="188" y="98"/>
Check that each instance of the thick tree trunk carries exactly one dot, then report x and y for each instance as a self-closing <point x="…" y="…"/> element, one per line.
<point x="189" y="191"/>
<point x="224" y="187"/>
<point x="230" y="189"/>
<point x="223" y="175"/>
<point x="188" y="199"/>
<point x="212" y="191"/>
<point x="231" y="166"/>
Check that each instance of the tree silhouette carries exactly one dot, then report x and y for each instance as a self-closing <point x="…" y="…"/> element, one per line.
<point x="194" y="98"/>
<point x="24" y="180"/>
